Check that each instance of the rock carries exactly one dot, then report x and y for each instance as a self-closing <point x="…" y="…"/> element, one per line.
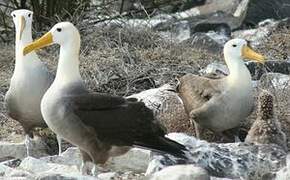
<point x="274" y="80"/>
<point x="135" y="160"/>
<point x="4" y="169"/>
<point x="257" y="70"/>
<point x="107" y="176"/>
<point x="181" y="172"/>
<point x="12" y="163"/>
<point x="257" y="36"/>
<point x="210" y="42"/>
<point x="179" y="32"/>
<point x="18" y="150"/>
<point x="216" y="69"/>
<point x="18" y="173"/>
<point x="167" y="107"/>
<point x="63" y="177"/>
<point x="170" y="6"/>
<point x="38" y="166"/>
<point x="260" y="10"/>
<point x="71" y="156"/>
<point x="230" y="160"/>
<point x="284" y="173"/>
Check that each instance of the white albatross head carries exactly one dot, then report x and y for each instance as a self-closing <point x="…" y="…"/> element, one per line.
<point x="64" y="33"/>
<point x="22" y="19"/>
<point x="67" y="36"/>
<point x="238" y="49"/>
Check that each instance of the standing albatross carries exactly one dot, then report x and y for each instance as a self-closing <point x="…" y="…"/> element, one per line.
<point x="221" y="104"/>
<point x="29" y="82"/>
<point x="101" y="125"/>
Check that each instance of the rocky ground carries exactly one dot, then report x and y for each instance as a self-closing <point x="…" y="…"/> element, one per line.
<point x="128" y="56"/>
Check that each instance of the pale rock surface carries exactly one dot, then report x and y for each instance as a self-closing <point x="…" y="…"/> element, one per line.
<point x="284" y="173"/>
<point x="37" y="166"/>
<point x="135" y="160"/>
<point x="18" y="150"/>
<point x="181" y="172"/>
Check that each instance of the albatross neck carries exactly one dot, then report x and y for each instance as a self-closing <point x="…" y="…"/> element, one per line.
<point x="239" y="73"/>
<point x="26" y="38"/>
<point x="20" y="60"/>
<point x="68" y="64"/>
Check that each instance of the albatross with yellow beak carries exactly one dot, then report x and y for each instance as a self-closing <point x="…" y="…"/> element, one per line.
<point x="29" y="82"/>
<point x="221" y="104"/>
<point x="101" y="125"/>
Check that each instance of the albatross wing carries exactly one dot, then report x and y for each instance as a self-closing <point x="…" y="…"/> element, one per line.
<point x="122" y="122"/>
<point x="196" y="91"/>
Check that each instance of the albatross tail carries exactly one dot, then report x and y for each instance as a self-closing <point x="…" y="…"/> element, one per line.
<point x="164" y="145"/>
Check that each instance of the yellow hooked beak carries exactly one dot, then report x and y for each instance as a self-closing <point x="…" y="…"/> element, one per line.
<point x="22" y="24"/>
<point x="248" y="53"/>
<point x="44" y="41"/>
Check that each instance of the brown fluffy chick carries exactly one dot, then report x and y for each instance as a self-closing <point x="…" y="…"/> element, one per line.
<point x="266" y="129"/>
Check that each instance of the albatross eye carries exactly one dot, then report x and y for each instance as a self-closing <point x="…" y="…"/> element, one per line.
<point x="234" y="45"/>
<point x="13" y="15"/>
<point x="29" y="15"/>
<point x="58" y="29"/>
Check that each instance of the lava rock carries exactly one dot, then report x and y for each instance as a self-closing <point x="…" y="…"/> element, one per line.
<point x="274" y="80"/>
<point x="284" y="173"/>
<point x="181" y="172"/>
<point x="231" y="160"/>
<point x="258" y="35"/>
<point x="260" y="10"/>
<point x="257" y="70"/>
<point x="210" y="42"/>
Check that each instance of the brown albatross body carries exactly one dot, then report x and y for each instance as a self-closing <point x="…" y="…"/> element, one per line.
<point x="221" y="104"/>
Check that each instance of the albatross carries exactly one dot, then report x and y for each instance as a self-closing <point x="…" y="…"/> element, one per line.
<point x="101" y="125"/>
<point x="221" y="104"/>
<point x="29" y="81"/>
